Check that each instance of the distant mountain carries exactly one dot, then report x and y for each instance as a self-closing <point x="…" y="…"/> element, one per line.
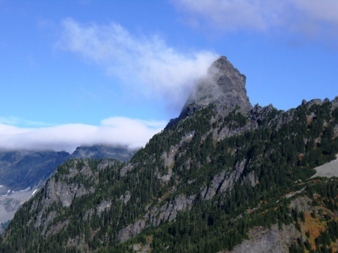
<point x="224" y="176"/>
<point x="22" y="172"/>
<point x="22" y="169"/>
<point x="101" y="151"/>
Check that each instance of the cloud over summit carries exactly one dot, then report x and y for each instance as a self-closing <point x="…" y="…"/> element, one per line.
<point x="144" y="63"/>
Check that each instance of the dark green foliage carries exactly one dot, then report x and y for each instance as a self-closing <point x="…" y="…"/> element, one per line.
<point x="333" y="230"/>
<point x="269" y="158"/>
<point x="296" y="248"/>
<point x="235" y="120"/>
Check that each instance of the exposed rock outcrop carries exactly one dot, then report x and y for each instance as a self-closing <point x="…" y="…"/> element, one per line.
<point x="223" y="181"/>
<point x="62" y="190"/>
<point x="131" y="230"/>
<point x="273" y="240"/>
<point x="223" y="86"/>
<point x="167" y="212"/>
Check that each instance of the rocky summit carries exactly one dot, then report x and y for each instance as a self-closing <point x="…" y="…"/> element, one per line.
<point x="223" y="86"/>
<point x="223" y="177"/>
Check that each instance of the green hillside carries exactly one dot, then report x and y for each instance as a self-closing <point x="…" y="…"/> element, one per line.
<point x="219" y="178"/>
<point x="192" y="190"/>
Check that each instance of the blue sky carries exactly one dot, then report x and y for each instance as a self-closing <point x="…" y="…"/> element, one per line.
<point x="114" y="72"/>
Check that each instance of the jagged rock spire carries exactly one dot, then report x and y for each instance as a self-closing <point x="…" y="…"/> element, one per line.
<point x="224" y="85"/>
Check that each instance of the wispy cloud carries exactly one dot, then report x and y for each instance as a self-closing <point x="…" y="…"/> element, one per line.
<point x="145" y="63"/>
<point x="227" y="14"/>
<point x="312" y="17"/>
<point x="119" y="131"/>
<point x="15" y="121"/>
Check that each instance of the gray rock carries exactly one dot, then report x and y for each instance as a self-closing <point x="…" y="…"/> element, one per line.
<point x="335" y="102"/>
<point x="125" y="169"/>
<point x="169" y="210"/>
<point x="126" y="197"/>
<point x="314" y="102"/>
<point x="223" y="86"/>
<point x="131" y="230"/>
<point x="61" y="191"/>
<point x="103" y="206"/>
<point x="251" y="179"/>
<point x="265" y="240"/>
<point x="301" y="204"/>
<point x="229" y="181"/>
<point x="156" y="215"/>
<point x="10" y="204"/>
<point x="224" y="181"/>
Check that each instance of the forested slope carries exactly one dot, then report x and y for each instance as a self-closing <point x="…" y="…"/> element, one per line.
<point x="218" y="179"/>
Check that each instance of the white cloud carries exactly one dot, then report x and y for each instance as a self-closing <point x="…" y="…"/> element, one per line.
<point x="319" y="10"/>
<point x="147" y="64"/>
<point x="121" y="131"/>
<point x="18" y="121"/>
<point x="228" y="14"/>
<point x="310" y="17"/>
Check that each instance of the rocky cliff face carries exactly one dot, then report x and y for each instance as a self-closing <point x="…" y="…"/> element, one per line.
<point x="270" y="240"/>
<point x="22" y="173"/>
<point x="73" y="181"/>
<point x="225" y="177"/>
<point x="224" y="86"/>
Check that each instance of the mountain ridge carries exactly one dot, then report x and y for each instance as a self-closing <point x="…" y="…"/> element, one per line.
<point x="16" y="166"/>
<point x="23" y="172"/>
<point x="220" y="179"/>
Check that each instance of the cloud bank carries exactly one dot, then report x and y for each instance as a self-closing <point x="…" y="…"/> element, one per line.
<point x="308" y="17"/>
<point x="117" y="131"/>
<point x="144" y="63"/>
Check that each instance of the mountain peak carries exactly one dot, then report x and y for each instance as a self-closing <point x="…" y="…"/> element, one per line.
<point x="224" y="85"/>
